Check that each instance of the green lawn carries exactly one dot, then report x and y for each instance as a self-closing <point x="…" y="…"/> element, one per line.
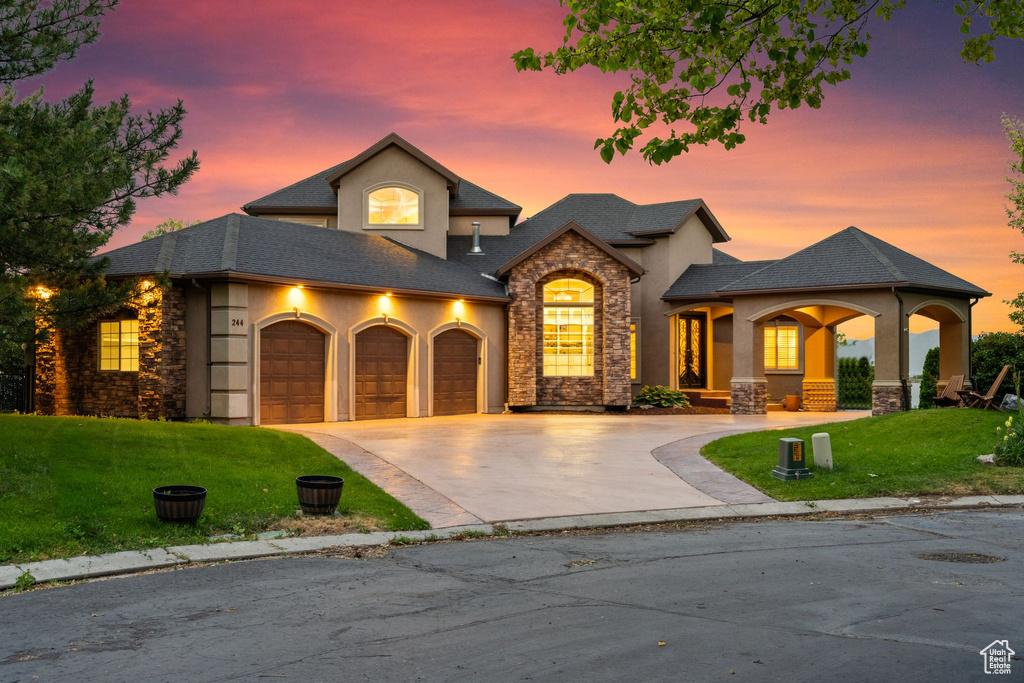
<point x="913" y="453"/>
<point x="72" y="485"/>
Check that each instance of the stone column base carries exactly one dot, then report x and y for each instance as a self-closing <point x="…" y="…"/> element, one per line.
<point x="819" y="395"/>
<point x="749" y="396"/>
<point x="886" y="397"/>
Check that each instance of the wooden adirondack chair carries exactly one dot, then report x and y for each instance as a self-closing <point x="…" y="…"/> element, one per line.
<point x="973" y="399"/>
<point x="950" y="395"/>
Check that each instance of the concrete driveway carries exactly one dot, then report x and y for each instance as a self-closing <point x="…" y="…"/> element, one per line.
<point x="492" y="468"/>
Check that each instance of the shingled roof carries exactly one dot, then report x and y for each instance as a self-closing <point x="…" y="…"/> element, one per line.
<point x="316" y="193"/>
<point x="848" y="258"/>
<point x="609" y="217"/>
<point x="262" y="248"/>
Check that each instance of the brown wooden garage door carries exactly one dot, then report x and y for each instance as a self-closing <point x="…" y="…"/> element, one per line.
<point x="292" y="366"/>
<point x="455" y="373"/>
<point x="382" y="371"/>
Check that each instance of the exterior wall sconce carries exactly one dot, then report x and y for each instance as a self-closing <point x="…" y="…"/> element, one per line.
<point x="459" y="308"/>
<point x="298" y="313"/>
<point x="384" y="306"/>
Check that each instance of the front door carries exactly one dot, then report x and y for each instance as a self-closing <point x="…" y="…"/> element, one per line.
<point x="691" y="351"/>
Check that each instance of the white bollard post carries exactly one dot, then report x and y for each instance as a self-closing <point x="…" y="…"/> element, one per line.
<point x="822" y="450"/>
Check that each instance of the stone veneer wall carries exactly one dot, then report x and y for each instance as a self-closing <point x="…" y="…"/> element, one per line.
<point x="69" y="381"/>
<point x="570" y="255"/>
<point x="749" y="398"/>
<point x="886" y="399"/>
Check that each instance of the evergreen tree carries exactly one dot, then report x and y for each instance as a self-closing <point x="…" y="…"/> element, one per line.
<point x="70" y="172"/>
<point x="930" y="379"/>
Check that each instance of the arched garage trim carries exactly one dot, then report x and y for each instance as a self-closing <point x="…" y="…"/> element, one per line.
<point x="331" y="376"/>
<point x="481" y="377"/>
<point x="412" y="400"/>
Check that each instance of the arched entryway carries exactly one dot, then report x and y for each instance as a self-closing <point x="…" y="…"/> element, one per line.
<point x="293" y="363"/>
<point x="456" y="372"/>
<point x="381" y="373"/>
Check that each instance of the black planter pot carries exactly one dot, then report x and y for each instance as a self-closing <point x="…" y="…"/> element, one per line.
<point x="319" y="493"/>
<point x="179" y="504"/>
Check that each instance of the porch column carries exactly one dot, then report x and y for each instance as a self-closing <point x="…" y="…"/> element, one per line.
<point x="749" y="386"/>
<point x="891" y="334"/>
<point x="819" y="385"/>
<point x="229" y="353"/>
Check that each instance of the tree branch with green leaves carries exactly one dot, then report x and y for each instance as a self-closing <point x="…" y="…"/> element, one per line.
<point x="765" y="54"/>
<point x="1015" y="209"/>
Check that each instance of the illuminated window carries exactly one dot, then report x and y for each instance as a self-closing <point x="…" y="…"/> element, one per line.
<point x="568" y="329"/>
<point x="119" y="345"/>
<point x="781" y="346"/>
<point x="634" y="339"/>
<point x="393" y="206"/>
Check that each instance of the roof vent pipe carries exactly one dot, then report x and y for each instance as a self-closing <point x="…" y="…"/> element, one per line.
<point x="476" y="240"/>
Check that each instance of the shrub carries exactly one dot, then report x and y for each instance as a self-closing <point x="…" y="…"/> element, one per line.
<point x="662" y="397"/>
<point x="993" y="351"/>
<point x="854" y="383"/>
<point x="930" y="379"/>
<point x="1010" y="444"/>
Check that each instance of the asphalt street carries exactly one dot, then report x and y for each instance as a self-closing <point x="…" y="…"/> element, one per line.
<point x="834" y="600"/>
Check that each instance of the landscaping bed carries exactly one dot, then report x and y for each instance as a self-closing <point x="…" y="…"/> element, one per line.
<point x="921" y="452"/>
<point x="74" y="485"/>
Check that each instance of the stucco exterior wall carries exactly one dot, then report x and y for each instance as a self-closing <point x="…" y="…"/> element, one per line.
<point x="664" y="262"/>
<point x="344" y="311"/>
<point x="394" y="165"/>
<point x="721" y="370"/>
<point x="489" y="225"/>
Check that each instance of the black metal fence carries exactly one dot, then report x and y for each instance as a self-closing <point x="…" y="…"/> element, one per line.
<point x="15" y="392"/>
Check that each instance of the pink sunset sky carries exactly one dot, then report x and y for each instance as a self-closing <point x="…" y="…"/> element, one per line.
<point x="910" y="150"/>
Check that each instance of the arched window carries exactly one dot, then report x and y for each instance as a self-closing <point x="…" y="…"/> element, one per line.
<point x="568" y="328"/>
<point x="393" y="206"/>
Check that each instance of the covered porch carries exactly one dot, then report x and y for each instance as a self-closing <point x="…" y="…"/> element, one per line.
<point x="770" y="326"/>
<point x="759" y="348"/>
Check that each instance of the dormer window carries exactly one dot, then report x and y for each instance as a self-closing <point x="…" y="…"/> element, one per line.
<point x="393" y="205"/>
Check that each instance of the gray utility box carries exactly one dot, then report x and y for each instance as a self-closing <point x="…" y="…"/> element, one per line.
<point x="792" y="460"/>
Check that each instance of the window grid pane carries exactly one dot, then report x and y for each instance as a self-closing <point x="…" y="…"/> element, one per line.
<point x="568" y="291"/>
<point x="119" y="345"/>
<point x="568" y="341"/>
<point x="393" y="206"/>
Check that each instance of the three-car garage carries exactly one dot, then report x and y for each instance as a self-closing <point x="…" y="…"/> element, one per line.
<point x="293" y="370"/>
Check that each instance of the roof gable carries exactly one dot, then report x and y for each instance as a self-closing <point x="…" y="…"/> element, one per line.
<point x="851" y="257"/>
<point x="394" y="140"/>
<point x="634" y="268"/>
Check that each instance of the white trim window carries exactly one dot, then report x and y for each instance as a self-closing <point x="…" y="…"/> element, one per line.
<point x="119" y="345"/>
<point x="568" y="328"/>
<point x="394" y="205"/>
<point x="782" y="346"/>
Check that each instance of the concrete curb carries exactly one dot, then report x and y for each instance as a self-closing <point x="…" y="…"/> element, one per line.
<point x="88" y="566"/>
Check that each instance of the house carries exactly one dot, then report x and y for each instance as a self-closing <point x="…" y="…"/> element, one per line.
<point x="389" y="286"/>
